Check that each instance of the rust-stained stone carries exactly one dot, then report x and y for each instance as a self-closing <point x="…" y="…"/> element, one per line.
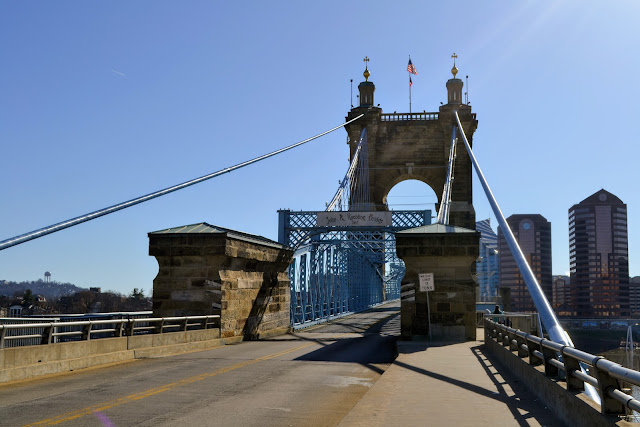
<point x="249" y="272"/>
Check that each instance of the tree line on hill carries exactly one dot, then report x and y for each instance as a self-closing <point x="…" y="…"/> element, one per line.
<point x="39" y="297"/>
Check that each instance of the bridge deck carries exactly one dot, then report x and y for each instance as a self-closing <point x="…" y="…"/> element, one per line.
<point x="342" y="373"/>
<point x="444" y="384"/>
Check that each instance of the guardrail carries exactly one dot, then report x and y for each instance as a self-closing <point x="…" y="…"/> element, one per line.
<point x="84" y="330"/>
<point x="604" y="375"/>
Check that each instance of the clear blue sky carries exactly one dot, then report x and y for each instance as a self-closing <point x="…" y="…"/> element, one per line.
<point x="105" y="101"/>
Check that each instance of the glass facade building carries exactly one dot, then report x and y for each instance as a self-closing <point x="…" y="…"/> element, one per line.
<point x="533" y="233"/>
<point x="599" y="257"/>
<point x="487" y="264"/>
<point x="561" y="303"/>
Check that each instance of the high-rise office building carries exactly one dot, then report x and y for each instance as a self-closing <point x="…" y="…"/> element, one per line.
<point x="634" y="296"/>
<point x="533" y="233"/>
<point x="561" y="302"/>
<point x="599" y="256"/>
<point x="487" y="264"/>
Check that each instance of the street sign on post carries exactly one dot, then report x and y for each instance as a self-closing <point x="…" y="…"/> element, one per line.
<point x="427" y="285"/>
<point x="426" y="282"/>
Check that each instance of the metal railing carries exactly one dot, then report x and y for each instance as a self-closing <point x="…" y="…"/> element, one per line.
<point x="604" y="375"/>
<point x="528" y="322"/>
<point x="398" y="117"/>
<point x="49" y="332"/>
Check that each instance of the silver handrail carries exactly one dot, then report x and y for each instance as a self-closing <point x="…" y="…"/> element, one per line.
<point x="603" y="376"/>
<point x="121" y="327"/>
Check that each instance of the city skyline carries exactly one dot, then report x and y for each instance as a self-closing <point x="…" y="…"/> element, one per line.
<point x="103" y="103"/>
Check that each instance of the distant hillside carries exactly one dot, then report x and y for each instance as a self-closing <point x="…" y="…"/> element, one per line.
<point x="39" y="287"/>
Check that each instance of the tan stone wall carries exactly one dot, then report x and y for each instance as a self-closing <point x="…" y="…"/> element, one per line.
<point x="244" y="282"/>
<point x="451" y="258"/>
<point x="392" y="145"/>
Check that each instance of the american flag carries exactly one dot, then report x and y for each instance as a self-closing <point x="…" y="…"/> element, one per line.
<point x="411" y="68"/>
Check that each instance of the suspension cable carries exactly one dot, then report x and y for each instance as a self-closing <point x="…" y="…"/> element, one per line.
<point x="547" y="315"/>
<point x="13" y="241"/>
<point x="344" y="189"/>
<point x="443" y="212"/>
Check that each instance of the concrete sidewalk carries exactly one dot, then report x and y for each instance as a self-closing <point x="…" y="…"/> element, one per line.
<point x="443" y="384"/>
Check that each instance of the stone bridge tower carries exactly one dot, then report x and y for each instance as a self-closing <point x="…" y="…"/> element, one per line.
<point x="405" y="146"/>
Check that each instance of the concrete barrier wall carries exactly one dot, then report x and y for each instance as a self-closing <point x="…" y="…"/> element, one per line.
<point x="573" y="408"/>
<point x="19" y="363"/>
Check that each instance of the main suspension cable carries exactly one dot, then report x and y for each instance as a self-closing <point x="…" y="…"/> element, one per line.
<point x="545" y="312"/>
<point x="13" y="241"/>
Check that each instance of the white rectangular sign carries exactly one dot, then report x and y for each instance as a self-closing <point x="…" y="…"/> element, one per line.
<point x="426" y="282"/>
<point x="353" y="219"/>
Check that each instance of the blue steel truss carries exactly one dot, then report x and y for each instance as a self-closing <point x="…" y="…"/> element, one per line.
<point x="340" y="270"/>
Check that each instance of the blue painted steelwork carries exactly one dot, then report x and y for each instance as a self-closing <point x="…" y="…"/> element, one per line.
<point x="340" y="270"/>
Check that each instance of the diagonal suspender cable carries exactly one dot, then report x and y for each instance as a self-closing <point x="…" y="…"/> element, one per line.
<point x="445" y="204"/>
<point x="93" y="215"/>
<point x="548" y="317"/>
<point x="343" y="194"/>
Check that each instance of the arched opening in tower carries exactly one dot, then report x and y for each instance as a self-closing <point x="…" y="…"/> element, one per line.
<point x="412" y="194"/>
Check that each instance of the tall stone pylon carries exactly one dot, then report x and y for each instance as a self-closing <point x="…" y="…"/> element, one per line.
<point x="403" y="146"/>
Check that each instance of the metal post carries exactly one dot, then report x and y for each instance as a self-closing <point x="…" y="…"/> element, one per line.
<point x="606" y="382"/>
<point x="47" y="333"/>
<point x="86" y="332"/>
<point x="118" y="329"/>
<point x="130" y="328"/>
<point x="429" y="315"/>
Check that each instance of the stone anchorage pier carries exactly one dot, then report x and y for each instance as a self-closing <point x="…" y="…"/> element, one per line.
<point x="449" y="252"/>
<point x="205" y="269"/>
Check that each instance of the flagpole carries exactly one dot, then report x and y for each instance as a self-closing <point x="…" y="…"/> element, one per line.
<point x="412" y="70"/>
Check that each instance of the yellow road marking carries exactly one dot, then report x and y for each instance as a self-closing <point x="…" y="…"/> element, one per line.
<point x="151" y="392"/>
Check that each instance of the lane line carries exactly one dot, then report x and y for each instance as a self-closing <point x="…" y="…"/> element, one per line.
<point x="157" y="390"/>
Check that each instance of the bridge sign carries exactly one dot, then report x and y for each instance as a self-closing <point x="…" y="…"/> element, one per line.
<point x="426" y="282"/>
<point x="353" y="219"/>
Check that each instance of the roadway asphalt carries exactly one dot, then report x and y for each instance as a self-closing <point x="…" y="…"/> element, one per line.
<point x="312" y="377"/>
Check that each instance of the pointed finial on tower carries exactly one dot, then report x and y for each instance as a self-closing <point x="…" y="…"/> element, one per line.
<point x="454" y="70"/>
<point x="366" y="73"/>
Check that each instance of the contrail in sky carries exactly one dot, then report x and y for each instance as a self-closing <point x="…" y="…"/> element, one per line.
<point x="118" y="72"/>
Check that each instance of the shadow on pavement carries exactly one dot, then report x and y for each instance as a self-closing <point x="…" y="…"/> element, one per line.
<point x="522" y="404"/>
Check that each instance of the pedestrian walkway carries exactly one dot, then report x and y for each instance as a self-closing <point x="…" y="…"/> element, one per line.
<point x="444" y="384"/>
